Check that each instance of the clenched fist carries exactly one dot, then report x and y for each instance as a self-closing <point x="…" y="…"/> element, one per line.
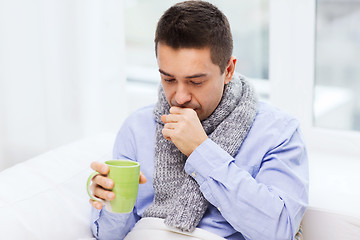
<point x="183" y="128"/>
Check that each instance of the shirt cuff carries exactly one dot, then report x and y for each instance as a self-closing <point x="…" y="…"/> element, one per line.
<point x="204" y="159"/>
<point x="102" y="218"/>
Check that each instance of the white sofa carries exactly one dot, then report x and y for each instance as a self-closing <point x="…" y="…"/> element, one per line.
<point x="45" y="197"/>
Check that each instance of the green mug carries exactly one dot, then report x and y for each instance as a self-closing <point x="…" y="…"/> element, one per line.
<point x="125" y="174"/>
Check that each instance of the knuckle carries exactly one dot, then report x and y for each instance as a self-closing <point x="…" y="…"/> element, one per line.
<point x="101" y="180"/>
<point x="98" y="192"/>
<point x="93" y="165"/>
<point x="97" y="179"/>
<point x="93" y="186"/>
<point x="105" y="182"/>
<point x="177" y="131"/>
<point x="96" y="166"/>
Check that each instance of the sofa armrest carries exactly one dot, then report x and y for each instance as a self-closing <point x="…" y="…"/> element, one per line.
<point x="45" y="197"/>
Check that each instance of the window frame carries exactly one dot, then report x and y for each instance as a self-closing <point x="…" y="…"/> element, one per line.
<point x="292" y="74"/>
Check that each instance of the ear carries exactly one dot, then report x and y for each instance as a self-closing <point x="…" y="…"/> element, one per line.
<point x="230" y="69"/>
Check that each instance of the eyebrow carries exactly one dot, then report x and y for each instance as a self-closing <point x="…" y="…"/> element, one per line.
<point x="165" y="73"/>
<point x="188" y="77"/>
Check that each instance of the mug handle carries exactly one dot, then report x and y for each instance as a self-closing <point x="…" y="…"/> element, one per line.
<point x="88" y="187"/>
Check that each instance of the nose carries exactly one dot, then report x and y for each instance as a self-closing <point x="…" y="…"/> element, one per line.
<point x="182" y="95"/>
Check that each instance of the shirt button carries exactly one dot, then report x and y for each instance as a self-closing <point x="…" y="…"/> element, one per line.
<point x="193" y="174"/>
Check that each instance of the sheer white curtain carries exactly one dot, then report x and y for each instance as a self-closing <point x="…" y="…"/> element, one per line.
<point x="61" y="73"/>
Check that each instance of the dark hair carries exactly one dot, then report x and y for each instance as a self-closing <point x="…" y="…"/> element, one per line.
<point x="196" y="24"/>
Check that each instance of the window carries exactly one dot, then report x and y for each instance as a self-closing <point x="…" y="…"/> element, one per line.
<point x="292" y="68"/>
<point x="337" y="72"/>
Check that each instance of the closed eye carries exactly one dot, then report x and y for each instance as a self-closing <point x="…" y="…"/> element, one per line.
<point x="169" y="80"/>
<point x="196" y="83"/>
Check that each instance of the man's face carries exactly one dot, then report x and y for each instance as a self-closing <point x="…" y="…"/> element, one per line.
<point x="190" y="79"/>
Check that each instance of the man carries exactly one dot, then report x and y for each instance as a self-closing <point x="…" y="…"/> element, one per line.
<point x="215" y="159"/>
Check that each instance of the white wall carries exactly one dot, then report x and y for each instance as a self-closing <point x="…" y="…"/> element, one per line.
<point x="61" y="73"/>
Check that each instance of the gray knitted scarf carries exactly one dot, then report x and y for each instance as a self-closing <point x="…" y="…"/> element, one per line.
<point x="178" y="198"/>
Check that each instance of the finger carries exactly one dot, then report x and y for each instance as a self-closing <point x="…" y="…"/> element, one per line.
<point x="171" y="118"/>
<point x="167" y="133"/>
<point x="170" y="125"/>
<point x="104" y="182"/>
<point x="142" y="178"/>
<point x="176" y="110"/>
<point x="103" y="194"/>
<point x="179" y="110"/>
<point x="102" y="168"/>
<point x="96" y="204"/>
<point x="182" y="111"/>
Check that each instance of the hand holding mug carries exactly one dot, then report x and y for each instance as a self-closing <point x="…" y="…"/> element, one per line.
<point x="102" y="185"/>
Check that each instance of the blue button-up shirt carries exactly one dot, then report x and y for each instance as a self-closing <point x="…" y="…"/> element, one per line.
<point x="262" y="193"/>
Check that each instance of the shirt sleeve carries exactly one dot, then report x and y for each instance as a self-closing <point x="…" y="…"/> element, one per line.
<point x="112" y="226"/>
<point x="269" y="205"/>
<point x="107" y="225"/>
